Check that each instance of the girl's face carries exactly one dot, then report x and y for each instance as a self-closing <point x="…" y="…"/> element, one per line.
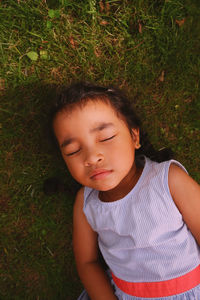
<point x="96" y="145"/>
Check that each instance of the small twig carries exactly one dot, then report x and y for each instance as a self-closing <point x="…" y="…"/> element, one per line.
<point x="50" y="251"/>
<point x="136" y="46"/>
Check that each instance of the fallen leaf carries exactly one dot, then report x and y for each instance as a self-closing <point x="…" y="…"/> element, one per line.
<point x="139" y="27"/>
<point x="180" y="22"/>
<point x="32" y="55"/>
<point x="107" y="6"/>
<point x="104" y="6"/>
<point x="25" y="72"/>
<point x="72" y="42"/>
<point x="97" y="52"/>
<point x="103" y="22"/>
<point x="55" y="73"/>
<point x="188" y="100"/>
<point x="2" y="84"/>
<point x="43" y="54"/>
<point x="54" y="13"/>
<point x="101" y="6"/>
<point x="162" y="76"/>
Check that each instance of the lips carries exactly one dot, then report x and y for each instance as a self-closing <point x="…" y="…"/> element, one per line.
<point x="100" y="174"/>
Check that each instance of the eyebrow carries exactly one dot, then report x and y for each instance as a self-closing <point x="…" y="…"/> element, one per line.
<point x="99" y="127"/>
<point x="66" y="142"/>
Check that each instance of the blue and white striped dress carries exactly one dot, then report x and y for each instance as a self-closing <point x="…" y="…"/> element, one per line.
<point x="143" y="237"/>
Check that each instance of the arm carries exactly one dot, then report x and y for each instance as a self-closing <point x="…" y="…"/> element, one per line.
<point x="85" y="246"/>
<point x="186" y="195"/>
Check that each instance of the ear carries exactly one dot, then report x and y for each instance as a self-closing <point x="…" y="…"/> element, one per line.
<point x="136" y="137"/>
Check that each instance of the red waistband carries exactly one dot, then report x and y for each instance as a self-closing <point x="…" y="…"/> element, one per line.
<point x="162" y="288"/>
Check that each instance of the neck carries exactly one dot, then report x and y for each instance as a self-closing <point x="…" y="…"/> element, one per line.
<point x="123" y="188"/>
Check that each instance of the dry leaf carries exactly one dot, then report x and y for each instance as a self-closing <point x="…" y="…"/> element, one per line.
<point x="107" y="7"/>
<point x="103" y="22"/>
<point x="104" y="6"/>
<point x="2" y="84"/>
<point x="180" y="22"/>
<point x="71" y="40"/>
<point x="162" y="76"/>
<point x="139" y="27"/>
<point x="97" y="52"/>
<point x="101" y="6"/>
<point x="188" y="100"/>
<point x="55" y="73"/>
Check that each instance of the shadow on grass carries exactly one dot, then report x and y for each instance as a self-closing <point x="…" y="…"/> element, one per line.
<point x="36" y="220"/>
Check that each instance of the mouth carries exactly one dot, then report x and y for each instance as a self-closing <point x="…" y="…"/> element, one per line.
<point x="100" y="174"/>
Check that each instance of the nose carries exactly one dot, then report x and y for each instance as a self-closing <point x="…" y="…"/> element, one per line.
<point x="93" y="157"/>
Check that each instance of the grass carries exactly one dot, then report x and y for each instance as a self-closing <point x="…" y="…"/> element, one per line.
<point x="149" y="48"/>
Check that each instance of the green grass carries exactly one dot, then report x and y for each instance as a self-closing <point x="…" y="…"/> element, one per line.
<point x="126" y="43"/>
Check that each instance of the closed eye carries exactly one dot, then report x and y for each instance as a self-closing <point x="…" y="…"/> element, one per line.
<point x="107" y="139"/>
<point x="104" y="140"/>
<point x="72" y="153"/>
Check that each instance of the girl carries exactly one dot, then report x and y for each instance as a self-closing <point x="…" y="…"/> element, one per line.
<point x="143" y="215"/>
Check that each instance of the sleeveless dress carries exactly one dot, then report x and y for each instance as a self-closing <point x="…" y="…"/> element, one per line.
<point x="149" y="249"/>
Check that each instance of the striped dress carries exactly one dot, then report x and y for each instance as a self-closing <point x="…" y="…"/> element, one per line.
<point x="149" y="249"/>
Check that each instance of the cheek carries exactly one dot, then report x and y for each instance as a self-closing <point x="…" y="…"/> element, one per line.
<point x="74" y="168"/>
<point x="125" y="162"/>
<point x="70" y="165"/>
<point x="123" y="152"/>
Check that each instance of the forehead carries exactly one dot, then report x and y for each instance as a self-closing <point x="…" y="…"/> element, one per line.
<point x="86" y="117"/>
<point x="88" y="109"/>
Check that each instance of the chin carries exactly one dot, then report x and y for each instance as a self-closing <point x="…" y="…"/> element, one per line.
<point x="105" y="187"/>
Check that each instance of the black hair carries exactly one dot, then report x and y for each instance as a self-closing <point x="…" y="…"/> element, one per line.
<point x="79" y="93"/>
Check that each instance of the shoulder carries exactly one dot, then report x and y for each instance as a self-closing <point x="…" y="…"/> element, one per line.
<point x="179" y="178"/>
<point x="180" y="183"/>
<point x="186" y="195"/>
<point x="175" y="170"/>
<point x="182" y="186"/>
